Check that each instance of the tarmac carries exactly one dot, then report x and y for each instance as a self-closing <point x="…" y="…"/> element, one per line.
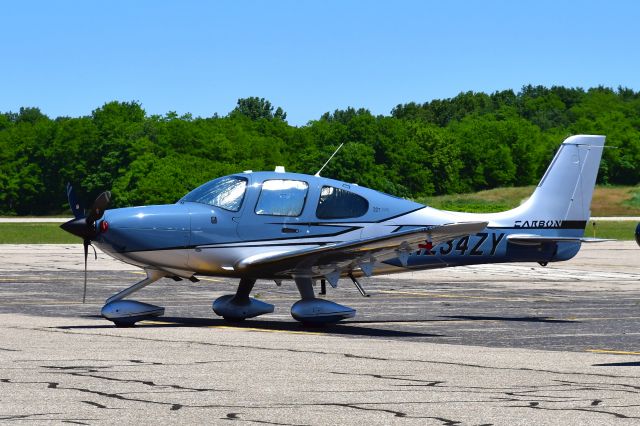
<point x="489" y="344"/>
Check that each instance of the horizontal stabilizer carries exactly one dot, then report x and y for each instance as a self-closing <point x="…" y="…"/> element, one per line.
<point x="534" y="240"/>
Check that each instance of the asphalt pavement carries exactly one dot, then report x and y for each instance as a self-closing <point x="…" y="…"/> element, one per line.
<point x="490" y="344"/>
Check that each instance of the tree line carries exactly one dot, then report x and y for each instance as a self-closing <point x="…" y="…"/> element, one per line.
<point x="470" y="142"/>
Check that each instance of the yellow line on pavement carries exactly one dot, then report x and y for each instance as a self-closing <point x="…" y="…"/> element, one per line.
<point x="210" y="279"/>
<point x="453" y="296"/>
<point x="230" y="327"/>
<point x="79" y="302"/>
<point x="599" y="319"/>
<point x="265" y="330"/>
<point x="150" y="322"/>
<point x="612" y="352"/>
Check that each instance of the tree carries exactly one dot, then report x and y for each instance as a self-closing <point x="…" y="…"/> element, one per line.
<point x="258" y="108"/>
<point x="469" y="142"/>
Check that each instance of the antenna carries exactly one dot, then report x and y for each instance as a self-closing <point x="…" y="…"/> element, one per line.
<point x="325" y="164"/>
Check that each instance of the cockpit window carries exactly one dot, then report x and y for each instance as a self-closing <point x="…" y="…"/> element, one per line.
<point x="336" y="203"/>
<point x="282" y="197"/>
<point x="225" y="192"/>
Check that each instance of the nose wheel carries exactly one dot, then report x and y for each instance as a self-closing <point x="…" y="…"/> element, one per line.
<point x="125" y="313"/>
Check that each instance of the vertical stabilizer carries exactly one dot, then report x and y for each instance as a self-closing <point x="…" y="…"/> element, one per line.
<point x="566" y="189"/>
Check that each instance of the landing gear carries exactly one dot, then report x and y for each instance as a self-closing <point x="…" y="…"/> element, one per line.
<point x="313" y="311"/>
<point x="125" y="313"/>
<point x="239" y="306"/>
<point x="323" y="287"/>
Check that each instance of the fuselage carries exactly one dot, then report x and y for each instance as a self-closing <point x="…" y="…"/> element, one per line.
<point x="231" y="218"/>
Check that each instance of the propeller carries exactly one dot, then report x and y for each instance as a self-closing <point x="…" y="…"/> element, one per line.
<point x="85" y="227"/>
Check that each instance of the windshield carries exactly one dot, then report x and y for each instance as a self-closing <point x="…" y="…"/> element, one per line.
<point x="225" y="192"/>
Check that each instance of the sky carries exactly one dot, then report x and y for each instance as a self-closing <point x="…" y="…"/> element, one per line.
<point x="70" y="57"/>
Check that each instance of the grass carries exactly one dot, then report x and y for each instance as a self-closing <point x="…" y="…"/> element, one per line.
<point x="634" y="201"/>
<point x="607" y="200"/>
<point x="50" y="233"/>
<point x="489" y="201"/>
<point x="35" y="233"/>
<point x="622" y="230"/>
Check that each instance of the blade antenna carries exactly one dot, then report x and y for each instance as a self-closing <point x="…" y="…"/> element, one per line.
<point x="325" y="164"/>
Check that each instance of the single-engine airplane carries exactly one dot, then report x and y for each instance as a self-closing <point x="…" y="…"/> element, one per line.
<point x="289" y="226"/>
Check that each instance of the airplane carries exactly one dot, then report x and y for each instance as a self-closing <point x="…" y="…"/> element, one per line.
<point x="285" y="226"/>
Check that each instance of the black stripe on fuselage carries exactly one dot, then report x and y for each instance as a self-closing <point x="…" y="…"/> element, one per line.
<point x="398" y="215"/>
<point x="243" y="245"/>
<point x="545" y="224"/>
<point x="345" y="223"/>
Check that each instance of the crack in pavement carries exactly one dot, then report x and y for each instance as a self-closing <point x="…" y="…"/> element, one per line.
<point x="95" y="404"/>
<point x="517" y="395"/>
<point x="114" y="395"/>
<point x="344" y="354"/>
<point x="396" y="413"/>
<point x="537" y="406"/>
<point x="236" y="417"/>
<point x="28" y="417"/>
<point x="143" y="382"/>
<point x="533" y="397"/>
<point x="624" y="385"/>
<point x="426" y="383"/>
<point x="24" y="416"/>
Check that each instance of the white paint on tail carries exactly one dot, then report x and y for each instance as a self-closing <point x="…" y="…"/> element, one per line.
<point x="566" y="189"/>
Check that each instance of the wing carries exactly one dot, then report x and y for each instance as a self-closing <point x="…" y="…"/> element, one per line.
<point x="535" y="240"/>
<point x="349" y="255"/>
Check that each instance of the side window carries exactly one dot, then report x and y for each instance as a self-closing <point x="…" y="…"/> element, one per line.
<point x="282" y="197"/>
<point x="336" y="203"/>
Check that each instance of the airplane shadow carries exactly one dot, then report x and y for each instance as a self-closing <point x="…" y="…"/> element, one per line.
<point x="619" y="364"/>
<point x="510" y="319"/>
<point x="344" y="329"/>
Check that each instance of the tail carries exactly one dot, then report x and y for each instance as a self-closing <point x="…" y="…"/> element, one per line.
<point x="560" y="206"/>
<point x="565" y="191"/>
<point x="554" y="218"/>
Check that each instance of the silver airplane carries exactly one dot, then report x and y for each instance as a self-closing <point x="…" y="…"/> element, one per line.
<point x="288" y="226"/>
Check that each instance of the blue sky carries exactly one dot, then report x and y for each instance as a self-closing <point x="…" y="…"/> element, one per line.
<point x="70" y="57"/>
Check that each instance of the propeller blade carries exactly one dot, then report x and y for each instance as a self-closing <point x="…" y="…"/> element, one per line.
<point x="85" y="227"/>
<point x="76" y="208"/>
<point x="99" y="206"/>
<point x="85" y="243"/>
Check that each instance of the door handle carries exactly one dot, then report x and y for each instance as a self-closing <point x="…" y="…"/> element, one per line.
<point x="290" y="230"/>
